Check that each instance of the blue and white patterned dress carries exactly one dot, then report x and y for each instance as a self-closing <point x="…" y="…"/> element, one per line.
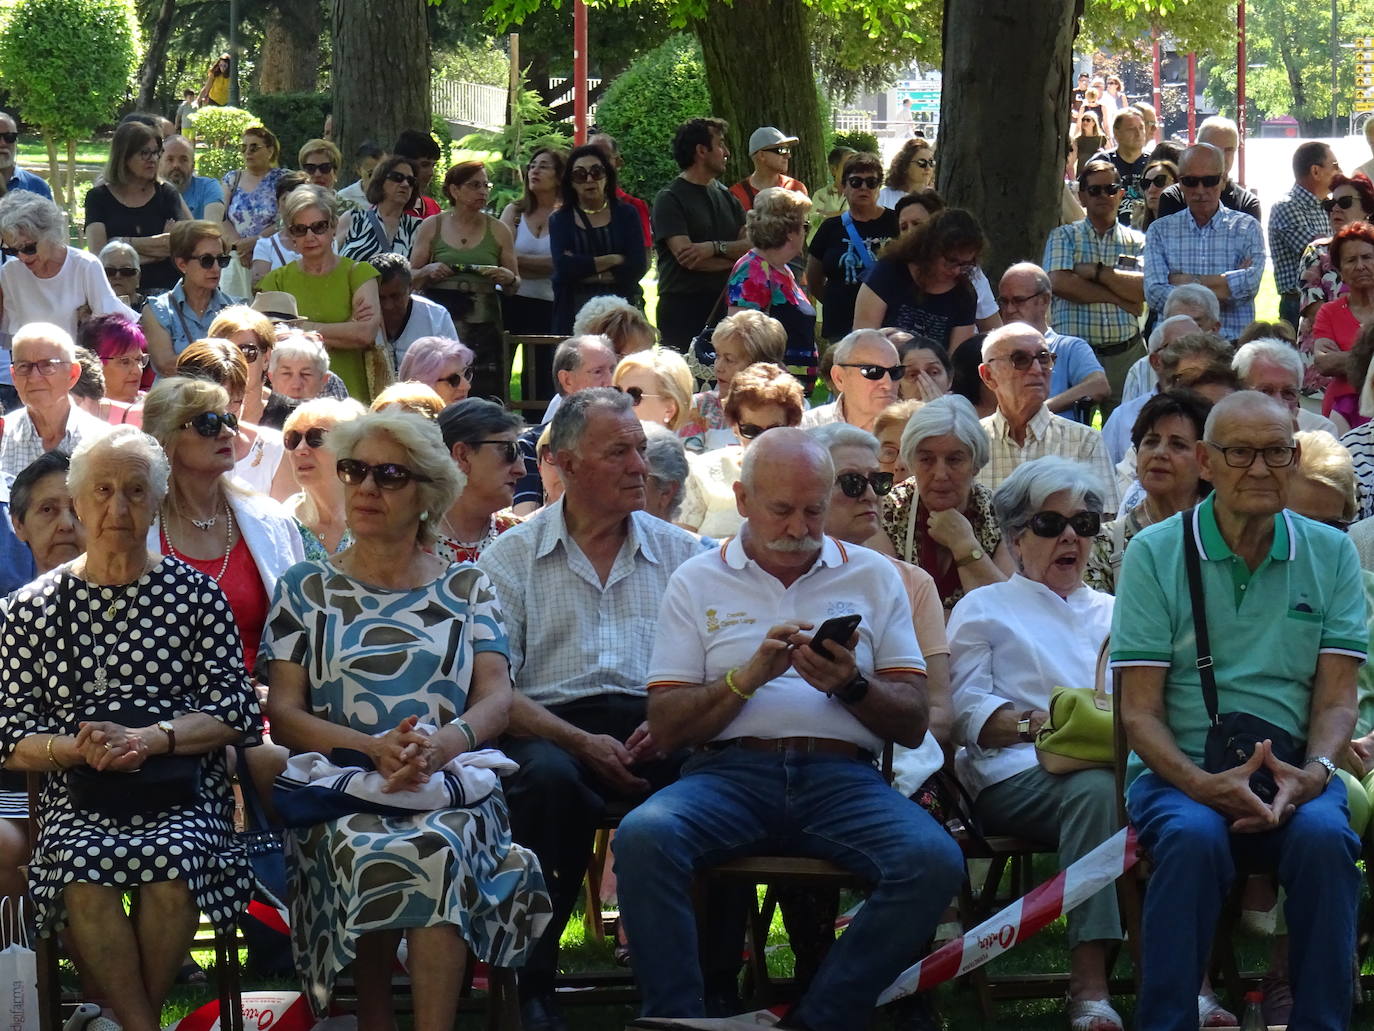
<point x="374" y="657"/>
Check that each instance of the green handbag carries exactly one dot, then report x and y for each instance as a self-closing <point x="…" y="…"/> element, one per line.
<point x="1079" y="734"/>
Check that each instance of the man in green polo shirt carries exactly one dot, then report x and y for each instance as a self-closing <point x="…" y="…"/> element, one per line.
<point x="1287" y="626"/>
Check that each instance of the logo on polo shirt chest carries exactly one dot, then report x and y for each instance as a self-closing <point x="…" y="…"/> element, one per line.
<point x="714" y="622"/>
<point x="840" y="608"/>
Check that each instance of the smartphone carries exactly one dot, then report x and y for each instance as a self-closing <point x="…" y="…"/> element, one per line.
<point x="1128" y="262"/>
<point x="839" y="630"/>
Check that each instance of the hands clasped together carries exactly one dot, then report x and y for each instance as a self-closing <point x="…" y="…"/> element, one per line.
<point x="1230" y="793"/>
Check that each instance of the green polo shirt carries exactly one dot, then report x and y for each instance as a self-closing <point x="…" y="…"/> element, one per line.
<point x="1266" y="628"/>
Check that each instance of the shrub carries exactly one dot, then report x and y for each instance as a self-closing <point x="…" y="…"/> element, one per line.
<point x="644" y="106"/>
<point x="507" y="151"/>
<point x="864" y="142"/>
<point x="295" y="118"/>
<point x="220" y="132"/>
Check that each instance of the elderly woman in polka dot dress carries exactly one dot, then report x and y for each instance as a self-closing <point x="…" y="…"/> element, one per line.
<point x="109" y="663"/>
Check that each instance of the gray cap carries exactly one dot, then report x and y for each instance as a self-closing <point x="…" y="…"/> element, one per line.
<point x="766" y="137"/>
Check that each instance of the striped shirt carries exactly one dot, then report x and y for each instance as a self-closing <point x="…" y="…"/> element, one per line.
<point x="1360" y="443"/>
<point x="1222" y="247"/>
<point x="1294" y="222"/>
<point x="1046" y="434"/>
<point x="1099" y="323"/>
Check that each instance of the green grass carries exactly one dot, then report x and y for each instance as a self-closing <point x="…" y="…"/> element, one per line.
<point x="33" y="152"/>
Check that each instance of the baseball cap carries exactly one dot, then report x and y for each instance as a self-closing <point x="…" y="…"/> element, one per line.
<point x="768" y="136"/>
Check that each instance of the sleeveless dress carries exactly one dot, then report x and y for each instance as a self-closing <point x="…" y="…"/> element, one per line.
<point x="472" y="299"/>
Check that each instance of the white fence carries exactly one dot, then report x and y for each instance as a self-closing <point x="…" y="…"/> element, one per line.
<point x="470" y="103"/>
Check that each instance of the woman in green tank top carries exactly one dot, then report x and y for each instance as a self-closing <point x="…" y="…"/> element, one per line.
<point x="461" y="257"/>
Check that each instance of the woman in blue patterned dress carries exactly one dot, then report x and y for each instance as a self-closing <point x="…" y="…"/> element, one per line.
<point x="373" y="650"/>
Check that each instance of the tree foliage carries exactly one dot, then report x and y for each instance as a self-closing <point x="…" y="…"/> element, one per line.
<point x="1205" y="26"/>
<point x="219" y="130"/>
<point x="507" y="152"/>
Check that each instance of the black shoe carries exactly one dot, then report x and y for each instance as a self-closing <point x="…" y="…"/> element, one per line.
<point x="539" y="1013"/>
<point x="915" y="1013"/>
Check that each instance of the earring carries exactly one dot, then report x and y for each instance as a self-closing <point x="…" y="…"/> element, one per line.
<point x="424" y="516"/>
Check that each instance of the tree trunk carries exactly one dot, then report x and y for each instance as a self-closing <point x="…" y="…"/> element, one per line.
<point x="71" y="175"/>
<point x="54" y="170"/>
<point x="155" y="57"/>
<point x="1004" y="113"/>
<point x="375" y="94"/>
<point x="758" y="65"/>
<point x="289" y="61"/>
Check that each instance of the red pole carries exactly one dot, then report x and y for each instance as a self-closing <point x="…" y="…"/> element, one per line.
<point x="1158" y="100"/>
<point x="579" y="72"/>
<point x="1192" y="98"/>
<point x="1240" y="85"/>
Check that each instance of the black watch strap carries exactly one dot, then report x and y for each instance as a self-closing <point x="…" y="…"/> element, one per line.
<point x="853" y="692"/>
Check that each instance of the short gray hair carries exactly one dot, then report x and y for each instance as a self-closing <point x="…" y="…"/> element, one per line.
<point x="950" y="415"/>
<point x="667" y="461"/>
<point x="45" y="333"/>
<point x="1025" y="491"/>
<point x="1156" y="342"/>
<point x="1192" y="298"/>
<point x="29" y="214"/>
<point x="120" y="249"/>
<point x="1030" y="268"/>
<point x="843" y="434"/>
<point x="567" y="356"/>
<point x="570" y="421"/>
<point x="1269" y="349"/>
<point x="850" y="341"/>
<point x="298" y="346"/>
<point x="425" y="454"/>
<point x="306" y="196"/>
<point x="125" y="438"/>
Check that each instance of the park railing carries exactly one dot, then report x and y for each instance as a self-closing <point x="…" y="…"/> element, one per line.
<point x="470" y="103"/>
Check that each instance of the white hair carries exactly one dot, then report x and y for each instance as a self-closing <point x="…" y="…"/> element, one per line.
<point x="1192" y="299"/>
<point x="1218" y="122"/>
<point x="295" y="346"/>
<point x="45" y="333"/>
<point x="120" y="249"/>
<point x="1157" y="340"/>
<point x="1279" y="352"/>
<point x="1030" y="485"/>
<point x="123" y="438"/>
<point x="1010" y="331"/>
<point x="950" y="415"/>
<point x="842" y="434"/>
<point x="848" y="343"/>
<point x="596" y="309"/>
<point x="30" y="214"/>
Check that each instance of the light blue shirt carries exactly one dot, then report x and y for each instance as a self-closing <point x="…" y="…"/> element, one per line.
<point x="1222" y="247"/>
<point x="1116" y="431"/>
<point x="202" y="191"/>
<point x="26" y="180"/>
<point x="178" y="318"/>
<point x="1074" y="362"/>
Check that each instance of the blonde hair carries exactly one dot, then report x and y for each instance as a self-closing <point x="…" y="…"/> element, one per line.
<point x="331" y="412"/>
<point x="239" y="318"/>
<point x="763" y="337"/>
<point x="673" y="376"/>
<point x="897" y="413"/>
<point x="1323" y="459"/>
<point x="171" y="404"/>
<point x="614" y="318"/>
<point x="412" y="396"/>
<point x="311" y="146"/>
<point x="777" y="214"/>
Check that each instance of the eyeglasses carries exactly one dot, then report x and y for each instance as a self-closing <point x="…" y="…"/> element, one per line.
<point x="962" y="266"/>
<point x="1194" y="181"/>
<point x="252" y="148"/>
<point x="1022" y="360"/>
<point x="454" y="379"/>
<point x="1159" y="182"/>
<point x="511" y="452"/>
<point x="29" y="249"/>
<point x="1051" y="524"/>
<point x="924" y="162"/>
<point x="876" y="372"/>
<point x="120" y="272"/>
<point x="1016" y="302"/>
<point x="1344" y="203"/>
<point x="596" y="173"/>
<point x="1103" y="190"/>
<point x="313" y="437"/>
<point x="299" y="229"/>
<point x="749" y="430"/>
<point x="638" y="394"/>
<point x="127" y="361"/>
<point x="47" y="368"/>
<point x="853" y="485"/>
<point x="9" y="137"/>
<point x="386" y="475"/>
<point x="209" y="261"/>
<point x="863" y="182"/>
<point x="250" y="352"/>
<point x="400" y="177"/>
<point x="323" y="168"/>
<point x="1276" y="456"/>
<point x="782" y="152"/>
<point x="208" y="424"/>
<point x="149" y="154"/>
<point x="476" y="184"/>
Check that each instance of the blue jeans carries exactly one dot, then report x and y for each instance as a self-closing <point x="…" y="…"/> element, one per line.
<point x="736" y="803"/>
<point x="1195" y="857"/>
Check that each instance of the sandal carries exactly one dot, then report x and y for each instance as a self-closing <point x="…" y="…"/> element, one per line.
<point x="1089" y="1014"/>
<point x="1211" y="1013"/>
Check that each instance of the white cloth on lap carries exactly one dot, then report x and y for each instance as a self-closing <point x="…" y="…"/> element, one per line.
<point x="465" y="780"/>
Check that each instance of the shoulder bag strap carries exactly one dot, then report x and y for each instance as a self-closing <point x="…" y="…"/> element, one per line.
<point x="1193" y="565"/>
<point x="856" y="241"/>
<point x="371" y="215"/>
<point x="181" y="317"/>
<point x="911" y="529"/>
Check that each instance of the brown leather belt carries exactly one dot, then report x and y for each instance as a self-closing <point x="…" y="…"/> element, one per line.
<point x="808" y="745"/>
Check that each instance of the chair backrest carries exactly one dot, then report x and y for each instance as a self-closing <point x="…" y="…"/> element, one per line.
<point x="527" y="343"/>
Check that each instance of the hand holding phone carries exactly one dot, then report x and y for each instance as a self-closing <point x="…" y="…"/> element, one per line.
<point x="839" y="630"/>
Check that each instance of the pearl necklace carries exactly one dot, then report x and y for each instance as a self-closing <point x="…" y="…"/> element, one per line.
<point x="228" y="541"/>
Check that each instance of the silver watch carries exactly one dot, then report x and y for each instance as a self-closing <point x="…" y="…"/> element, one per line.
<point x="1330" y="766"/>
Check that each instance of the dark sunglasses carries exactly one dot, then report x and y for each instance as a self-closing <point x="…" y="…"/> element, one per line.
<point x="782" y="152"/>
<point x="924" y="162"/>
<point x="250" y="352"/>
<point x="749" y="430"/>
<point x="1158" y="181"/>
<point x="29" y="249"/>
<point x="1022" y="360"/>
<point x="512" y="449"/>
<point x="209" y="424"/>
<point x="127" y="271"/>
<point x="863" y="182"/>
<point x="323" y="168"/>
<point x="299" y="229"/>
<point x="386" y="475"/>
<point x="1051" y="524"/>
<point x="209" y="261"/>
<point x="876" y="372"/>
<point x="313" y="437"/>
<point x="637" y="394"/>
<point x="596" y="173"/>
<point x="1194" y="181"/>
<point x="400" y="177"/>
<point x="9" y="137"/>
<point x="854" y="484"/>
<point x="1344" y="203"/>
<point x="453" y="379"/>
<point x="1103" y="190"/>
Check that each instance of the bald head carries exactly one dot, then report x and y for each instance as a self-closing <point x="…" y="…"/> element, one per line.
<point x="784" y="496"/>
<point x="1011" y="335"/>
<point x="1202" y="159"/>
<point x="783" y="454"/>
<point x="1242" y="407"/>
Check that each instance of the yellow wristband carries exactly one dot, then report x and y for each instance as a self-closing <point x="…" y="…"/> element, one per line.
<point x="730" y="683"/>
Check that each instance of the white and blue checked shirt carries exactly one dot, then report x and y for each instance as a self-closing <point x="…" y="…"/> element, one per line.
<point x="1294" y="222"/>
<point x="1176" y="243"/>
<point x="570" y="636"/>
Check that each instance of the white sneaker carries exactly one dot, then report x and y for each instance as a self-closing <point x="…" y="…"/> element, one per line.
<point x="81" y="1019"/>
<point x="103" y="1024"/>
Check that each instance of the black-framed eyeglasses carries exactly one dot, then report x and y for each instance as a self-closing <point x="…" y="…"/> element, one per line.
<point x="637" y="394"/>
<point x="456" y="379"/>
<point x="120" y="272"/>
<point x="1013" y="301"/>
<point x="1194" y="181"/>
<point x="1344" y="203"/>
<point x="863" y="182"/>
<point x="924" y="162"/>
<point x="28" y="249"/>
<point x="299" y="229"/>
<point x="323" y="168"/>
<point x="209" y="424"/>
<point x="209" y="261"/>
<point x="1102" y="189"/>
<point x="128" y="361"/>
<point x="386" y="475"/>
<point x="1159" y="182"/>
<point x="9" y="137"/>
<point x="1051" y="524"/>
<point x="512" y="448"/>
<point x="595" y="173"/>
<point x="1022" y="360"/>
<point x="396" y="176"/>
<point x="149" y="154"/>
<point x="876" y="372"/>
<point x="313" y="437"/>
<point x="250" y="352"/>
<point x="750" y="430"/>
<point x="1276" y="456"/>
<point x="47" y="368"/>
<point x="853" y="485"/>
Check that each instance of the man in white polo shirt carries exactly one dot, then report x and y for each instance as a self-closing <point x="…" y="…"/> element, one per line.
<point x="787" y="740"/>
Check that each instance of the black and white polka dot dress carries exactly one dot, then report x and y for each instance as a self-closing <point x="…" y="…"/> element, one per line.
<point x="179" y="652"/>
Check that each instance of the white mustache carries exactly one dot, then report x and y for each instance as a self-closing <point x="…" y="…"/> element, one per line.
<point x="794" y="544"/>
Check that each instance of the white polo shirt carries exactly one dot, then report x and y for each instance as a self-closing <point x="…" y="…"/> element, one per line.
<point x="719" y="605"/>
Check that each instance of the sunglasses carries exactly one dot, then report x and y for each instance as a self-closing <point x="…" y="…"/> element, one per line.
<point x="1344" y="203"/>
<point x="1022" y="360"/>
<point x="749" y="430"/>
<point x="120" y="271"/>
<point x="596" y="173"/>
<point x="454" y="379"/>
<point x="863" y="182"/>
<point x="1103" y="190"/>
<point x="638" y="394"/>
<point x="1159" y="182"/>
<point x="1051" y="524"/>
<point x="127" y="361"/>
<point x="1194" y="181"/>
<point x="299" y="229"/>
<point x="1016" y="302"/>
<point x="853" y="485"/>
<point x="511" y="452"/>
<point x="323" y="168"/>
<point x="250" y="352"/>
<point x="400" y="177"/>
<point x="252" y="148"/>
<point x="29" y="249"/>
<point x="209" y="424"/>
<point x="876" y="372"/>
<point x="924" y="162"/>
<point x="782" y="152"/>
<point x="386" y="475"/>
<point x="209" y="261"/>
<point x="313" y="437"/>
<point x="9" y="137"/>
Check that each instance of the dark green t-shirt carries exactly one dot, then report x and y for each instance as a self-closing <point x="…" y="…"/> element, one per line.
<point x="700" y="213"/>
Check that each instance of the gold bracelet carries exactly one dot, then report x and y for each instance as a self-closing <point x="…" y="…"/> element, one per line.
<point x="730" y="683"/>
<point x="51" y="757"/>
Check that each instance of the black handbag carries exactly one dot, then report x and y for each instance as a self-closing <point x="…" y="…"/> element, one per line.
<point x="702" y="349"/>
<point x="1232" y="737"/>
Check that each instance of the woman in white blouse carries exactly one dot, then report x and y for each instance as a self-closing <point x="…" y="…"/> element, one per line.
<point x="1011" y="644"/>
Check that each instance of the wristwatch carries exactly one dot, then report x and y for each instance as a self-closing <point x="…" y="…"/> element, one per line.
<point x="1023" y="726"/>
<point x="853" y="692"/>
<point x="166" y="727"/>
<point x="972" y="557"/>
<point x="1330" y="766"/>
<point x="719" y="245"/>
